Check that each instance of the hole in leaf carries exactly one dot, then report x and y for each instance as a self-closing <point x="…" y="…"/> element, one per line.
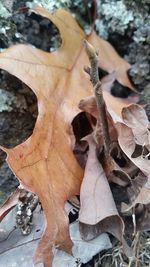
<point x="120" y="194"/>
<point x="35" y="30"/>
<point x="81" y="125"/>
<point x="119" y="90"/>
<point x="18" y="110"/>
<point x="120" y="161"/>
<point x="120" y="42"/>
<point x="102" y="73"/>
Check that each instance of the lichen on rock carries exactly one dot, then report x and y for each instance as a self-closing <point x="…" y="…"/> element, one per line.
<point x="126" y="24"/>
<point x="9" y="101"/>
<point x="115" y="16"/>
<point x="4" y="13"/>
<point x="52" y="5"/>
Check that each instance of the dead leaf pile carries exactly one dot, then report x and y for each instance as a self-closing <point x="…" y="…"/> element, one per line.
<point x="45" y="163"/>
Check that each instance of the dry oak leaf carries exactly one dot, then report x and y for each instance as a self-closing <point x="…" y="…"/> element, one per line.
<point x="44" y="163"/>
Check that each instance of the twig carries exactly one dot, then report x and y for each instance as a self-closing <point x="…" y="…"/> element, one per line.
<point x="93" y="72"/>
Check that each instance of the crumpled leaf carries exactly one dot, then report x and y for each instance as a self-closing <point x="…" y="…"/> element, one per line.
<point x="127" y="143"/>
<point x="98" y="211"/>
<point x="136" y="118"/>
<point x="44" y="163"/>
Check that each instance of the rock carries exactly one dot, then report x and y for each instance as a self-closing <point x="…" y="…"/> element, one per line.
<point x="17" y="250"/>
<point x="9" y="101"/>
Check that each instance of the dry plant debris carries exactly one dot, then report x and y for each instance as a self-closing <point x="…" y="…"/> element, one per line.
<point x="45" y="163"/>
<point x="116" y="258"/>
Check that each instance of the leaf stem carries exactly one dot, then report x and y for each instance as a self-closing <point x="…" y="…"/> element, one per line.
<point x="93" y="72"/>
